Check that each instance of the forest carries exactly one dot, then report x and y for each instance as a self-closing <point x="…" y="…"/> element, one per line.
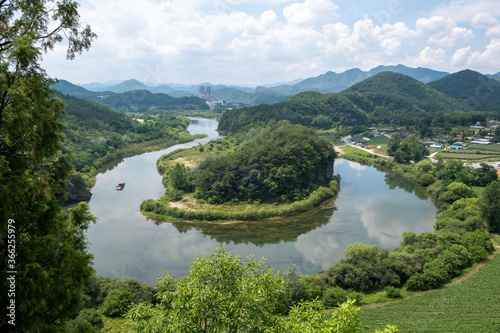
<point x="97" y="136"/>
<point x="386" y="98"/>
<point x="279" y="162"/>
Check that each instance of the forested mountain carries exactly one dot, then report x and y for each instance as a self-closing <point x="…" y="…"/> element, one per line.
<point x="494" y="76"/>
<point x="384" y="98"/>
<point x="336" y="82"/>
<point x="133" y="100"/>
<point x="329" y="82"/>
<point x="261" y="95"/>
<point x="478" y="91"/>
<point x="308" y="108"/>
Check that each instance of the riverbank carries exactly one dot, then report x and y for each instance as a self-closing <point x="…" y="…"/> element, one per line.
<point x="189" y="210"/>
<point x="81" y="183"/>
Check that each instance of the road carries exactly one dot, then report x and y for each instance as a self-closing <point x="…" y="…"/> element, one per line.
<point x="347" y="141"/>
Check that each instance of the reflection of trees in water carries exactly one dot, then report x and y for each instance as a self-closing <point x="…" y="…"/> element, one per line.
<point x="394" y="180"/>
<point x="260" y="233"/>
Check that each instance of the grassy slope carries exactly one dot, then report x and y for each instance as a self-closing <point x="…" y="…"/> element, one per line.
<point x="470" y="306"/>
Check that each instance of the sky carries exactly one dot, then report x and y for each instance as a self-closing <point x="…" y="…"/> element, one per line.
<point x="259" y="42"/>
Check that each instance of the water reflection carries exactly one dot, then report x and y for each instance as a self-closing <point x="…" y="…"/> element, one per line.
<point x="260" y="233"/>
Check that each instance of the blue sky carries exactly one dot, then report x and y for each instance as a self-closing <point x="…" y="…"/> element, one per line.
<point x="256" y="42"/>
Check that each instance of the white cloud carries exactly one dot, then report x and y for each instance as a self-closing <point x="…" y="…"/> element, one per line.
<point x="461" y="57"/>
<point x="466" y="10"/>
<point x="484" y="20"/>
<point x="436" y="25"/>
<point x="455" y="37"/>
<point x="488" y="58"/>
<point x="493" y="32"/>
<point x="310" y="12"/>
<point x="224" y="42"/>
<point x="429" y="56"/>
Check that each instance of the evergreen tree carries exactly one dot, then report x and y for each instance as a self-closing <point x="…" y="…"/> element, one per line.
<point x="44" y="247"/>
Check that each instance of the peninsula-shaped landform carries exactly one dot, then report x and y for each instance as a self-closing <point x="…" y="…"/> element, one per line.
<point x="264" y="172"/>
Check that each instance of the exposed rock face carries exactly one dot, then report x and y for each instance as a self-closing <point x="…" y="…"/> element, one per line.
<point x="325" y="175"/>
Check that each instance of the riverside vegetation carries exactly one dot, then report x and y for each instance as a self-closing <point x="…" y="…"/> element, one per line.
<point x="98" y="137"/>
<point x="261" y="173"/>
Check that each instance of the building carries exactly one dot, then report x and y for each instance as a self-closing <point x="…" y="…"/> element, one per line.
<point x="205" y="92"/>
<point x="482" y="142"/>
<point x="458" y="145"/>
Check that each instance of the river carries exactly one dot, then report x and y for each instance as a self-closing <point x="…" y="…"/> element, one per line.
<point x="372" y="207"/>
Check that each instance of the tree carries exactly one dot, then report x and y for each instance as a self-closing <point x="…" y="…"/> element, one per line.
<point x="295" y="288"/>
<point x="117" y="302"/>
<point x="50" y="256"/>
<point x="455" y="191"/>
<point x="393" y="144"/>
<point x="490" y="206"/>
<point x="178" y="178"/>
<point x="220" y="294"/>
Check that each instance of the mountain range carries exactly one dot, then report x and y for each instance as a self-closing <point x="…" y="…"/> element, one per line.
<point x="329" y="82"/>
<point x="385" y="98"/>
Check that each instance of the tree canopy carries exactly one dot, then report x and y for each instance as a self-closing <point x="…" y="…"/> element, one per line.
<point x="51" y="258"/>
<point x="279" y="163"/>
<point x="220" y="294"/>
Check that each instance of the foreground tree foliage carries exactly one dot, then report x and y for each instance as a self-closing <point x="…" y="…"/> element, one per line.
<point x="49" y="251"/>
<point x="224" y="294"/>
<point x="220" y="294"/>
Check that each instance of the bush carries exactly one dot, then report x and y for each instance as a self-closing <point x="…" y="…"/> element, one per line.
<point x="392" y="292"/>
<point x="474" y="242"/>
<point x="80" y="325"/>
<point x="425" y="179"/>
<point x="356" y="297"/>
<point x="334" y="296"/>
<point x="93" y="316"/>
<point x="117" y="302"/>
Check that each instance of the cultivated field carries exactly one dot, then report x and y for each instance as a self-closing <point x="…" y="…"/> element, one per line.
<point x="471" y="306"/>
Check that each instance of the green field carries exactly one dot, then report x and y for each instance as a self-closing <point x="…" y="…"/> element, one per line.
<point x="473" y="152"/>
<point x="380" y="141"/>
<point x="471" y="306"/>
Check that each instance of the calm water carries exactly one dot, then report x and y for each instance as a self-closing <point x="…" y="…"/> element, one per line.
<point x="372" y="208"/>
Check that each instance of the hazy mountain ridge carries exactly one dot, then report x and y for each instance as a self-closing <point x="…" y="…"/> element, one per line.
<point x="329" y="82"/>
<point x="132" y="100"/>
<point x="384" y="98"/>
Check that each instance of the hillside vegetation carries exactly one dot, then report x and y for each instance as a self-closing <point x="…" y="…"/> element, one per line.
<point x="137" y="100"/>
<point x="386" y="98"/>
<point x="97" y="136"/>
<point x="280" y="164"/>
<point x="478" y="91"/>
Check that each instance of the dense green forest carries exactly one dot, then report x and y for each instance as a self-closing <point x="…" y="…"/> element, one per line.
<point x="477" y="90"/>
<point x="96" y="136"/>
<point x="279" y="162"/>
<point x="386" y="98"/>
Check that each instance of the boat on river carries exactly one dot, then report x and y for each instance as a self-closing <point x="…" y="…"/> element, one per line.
<point x="120" y="186"/>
